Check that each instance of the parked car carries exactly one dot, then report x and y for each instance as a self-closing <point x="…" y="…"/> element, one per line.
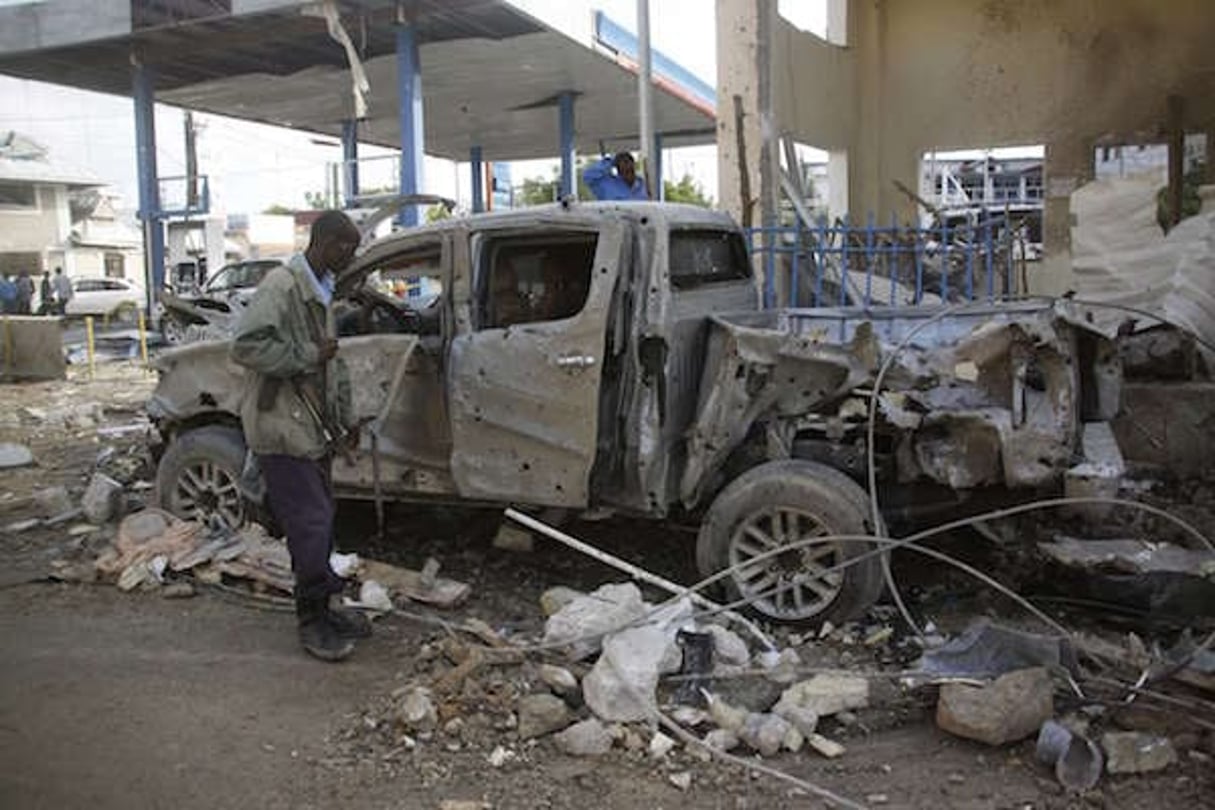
<point x="212" y="311"/>
<point x="105" y="297"/>
<point x="611" y="358"/>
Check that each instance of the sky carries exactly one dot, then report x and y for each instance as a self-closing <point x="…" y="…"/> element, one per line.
<point x="252" y="166"/>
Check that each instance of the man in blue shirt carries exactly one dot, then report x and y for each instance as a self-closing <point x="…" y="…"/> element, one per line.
<point x="624" y="184"/>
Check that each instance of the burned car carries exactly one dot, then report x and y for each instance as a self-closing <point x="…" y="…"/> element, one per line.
<point x="613" y="358"/>
<point x="211" y="311"/>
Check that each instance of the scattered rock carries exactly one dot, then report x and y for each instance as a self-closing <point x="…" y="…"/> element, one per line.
<point x="681" y="779"/>
<point x="879" y="636"/>
<point x="53" y="501"/>
<point x="22" y="526"/>
<point x="730" y="718"/>
<point x="542" y="714"/>
<point x="828" y="748"/>
<point x="802" y="719"/>
<point x="416" y="711"/>
<point x="178" y="590"/>
<point x="765" y="733"/>
<point x="877" y="798"/>
<point x="794" y="739"/>
<point x="728" y="646"/>
<point x="464" y="804"/>
<point x="783" y="668"/>
<point x="500" y="756"/>
<point x="15" y="455"/>
<point x="690" y="716"/>
<point x="620" y="687"/>
<point x="590" y="738"/>
<point x="660" y="745"/>
<point x="512" y="538"/>
<point x="721" y="739"/>
<point x="1135" y="752"/>
<point x="102" y="499"/>
<point x="1011" y="708"/>
<point x="826" y="694"/>
<point x="552" y="600"/>
<point x="374" y="597"/>
<point x="580" y="622"/>
<point x="560" y="680"/>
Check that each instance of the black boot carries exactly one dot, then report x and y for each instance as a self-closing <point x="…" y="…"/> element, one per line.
<point x="346" y="622"/>
<point x="317" y="636"/>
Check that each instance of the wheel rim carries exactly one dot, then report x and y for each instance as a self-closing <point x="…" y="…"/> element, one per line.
<point x="206" y="491"/>
<point x="793" y="585"/>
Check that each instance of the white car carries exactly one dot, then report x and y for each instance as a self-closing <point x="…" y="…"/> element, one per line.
<point x="104" y="297"/>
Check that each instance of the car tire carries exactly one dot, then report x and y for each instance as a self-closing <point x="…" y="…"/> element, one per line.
<point x="199" y="476"/>
<point x="777" y="503"/>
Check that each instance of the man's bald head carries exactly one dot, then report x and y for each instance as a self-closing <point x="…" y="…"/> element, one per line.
<point x="332" y="242"/>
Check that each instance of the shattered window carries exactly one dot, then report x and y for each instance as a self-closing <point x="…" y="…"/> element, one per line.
<point x="530" y="279"/>
<point x="414" y="279"/>
<point x="705" y="256"/>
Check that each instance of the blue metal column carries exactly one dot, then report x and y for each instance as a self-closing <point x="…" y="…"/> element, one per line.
<point x="478" y="179"/>
<point x="144" y="95"/>
<point x="565" y="105"/>
<point x="657" y="191"/>
<point x="350" y="161"/>
<point x="409" y="100"/>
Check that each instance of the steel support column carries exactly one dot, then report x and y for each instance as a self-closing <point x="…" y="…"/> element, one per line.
<point x="477" y="170"/>
<point x="409" y="100"/>
<point x="144" y="95"/>
<point x="657" y="192"/>
<point x="350" y="162"/>
<point x="565" y="106"/>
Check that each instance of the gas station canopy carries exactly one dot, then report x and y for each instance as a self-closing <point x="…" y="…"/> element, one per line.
<point x="491" y="75"/>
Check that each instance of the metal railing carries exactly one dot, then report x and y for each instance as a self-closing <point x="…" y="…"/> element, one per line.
<point x="841" y="264"/>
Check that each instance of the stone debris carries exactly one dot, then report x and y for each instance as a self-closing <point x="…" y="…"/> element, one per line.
<point x="464" y="804"/>
<point x="53" y="501"/>
<point x="415" y="586"/>
<point x="681" y="779"/>
<point x="660" y="745"/>
<point x="542" y="714"/>
<point x="1009" y="709"/>
<point x="512" y="538"/>
<point x="178" y="590"/>
<point x="560" y="680"/>
<point x="500" y="756"/>
<point x="589" y="738"/>
<point x="621" y="686"/>
<point x="728" y="647"/>
<point x="554" y="599"/>
<point x="766" y="733"/>
<point x="1136" y="752"/>
<point x="722" y="739"/>
<point x="416" y="711"/>
<point x="826" y="694"/>
<point x="15" y="455"/>
<point x="582" y="622"/>
<point x="102" y="499"/>
<point x="828" y="748"/>
<point x="21" y="526"/>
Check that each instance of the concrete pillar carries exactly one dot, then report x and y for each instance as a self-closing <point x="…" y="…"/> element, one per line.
<point x="748" y="166"/>
<point x="1068" y="165"/>
<point x="213" y="243"/>
<point x="409" y="101"/>
<point x="350" y="164"/>
<point x="477" y="170"/>
<point x="838" y="179"/>
<point x="143" y="91"/>
<point x="565" y="124"/>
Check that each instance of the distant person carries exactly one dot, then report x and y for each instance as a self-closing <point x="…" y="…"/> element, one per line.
<point x="46" y="296"/>
<point x="25" y="293"/>
<point x="8" y="294"/>
<point x="63" y="291"/>
<point x="615" y="178"/>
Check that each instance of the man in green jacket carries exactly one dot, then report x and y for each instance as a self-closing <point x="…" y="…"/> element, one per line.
<point x="296" y="405"/>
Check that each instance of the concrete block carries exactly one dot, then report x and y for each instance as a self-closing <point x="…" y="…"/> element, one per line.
<point x="31" y="348"/>
<point x="1099" y="475"/>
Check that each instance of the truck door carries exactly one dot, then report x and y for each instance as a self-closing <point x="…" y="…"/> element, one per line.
<point x="525" y="375"/>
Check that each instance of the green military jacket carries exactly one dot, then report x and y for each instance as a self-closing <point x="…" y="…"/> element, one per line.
<point x="278" y="340"/>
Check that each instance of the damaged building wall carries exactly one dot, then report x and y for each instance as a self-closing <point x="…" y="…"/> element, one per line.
<point x="955" y="74"/>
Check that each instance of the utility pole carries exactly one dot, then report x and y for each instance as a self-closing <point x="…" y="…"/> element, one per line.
<point x="645" y="87"/>
<point x="191" y="162"/>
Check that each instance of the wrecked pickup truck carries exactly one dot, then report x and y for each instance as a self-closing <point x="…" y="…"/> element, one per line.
<point x="613" y="358"/>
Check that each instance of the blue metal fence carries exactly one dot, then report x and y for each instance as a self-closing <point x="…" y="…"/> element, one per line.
<point x="842" y="264"/>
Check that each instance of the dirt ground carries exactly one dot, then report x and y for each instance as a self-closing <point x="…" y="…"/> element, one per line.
<point x="123" y="700"/>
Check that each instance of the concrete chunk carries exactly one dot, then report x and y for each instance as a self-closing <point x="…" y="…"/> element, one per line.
<point x="1011" y="708"/>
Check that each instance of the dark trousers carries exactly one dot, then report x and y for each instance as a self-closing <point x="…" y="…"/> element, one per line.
<point x="298" y="490"/>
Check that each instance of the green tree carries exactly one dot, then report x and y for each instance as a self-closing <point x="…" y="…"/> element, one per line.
<point x="279" y="208"/>
<point x="316" y="200"/>
<point x="437" y="213"/>
<point x="687" y="190"/>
